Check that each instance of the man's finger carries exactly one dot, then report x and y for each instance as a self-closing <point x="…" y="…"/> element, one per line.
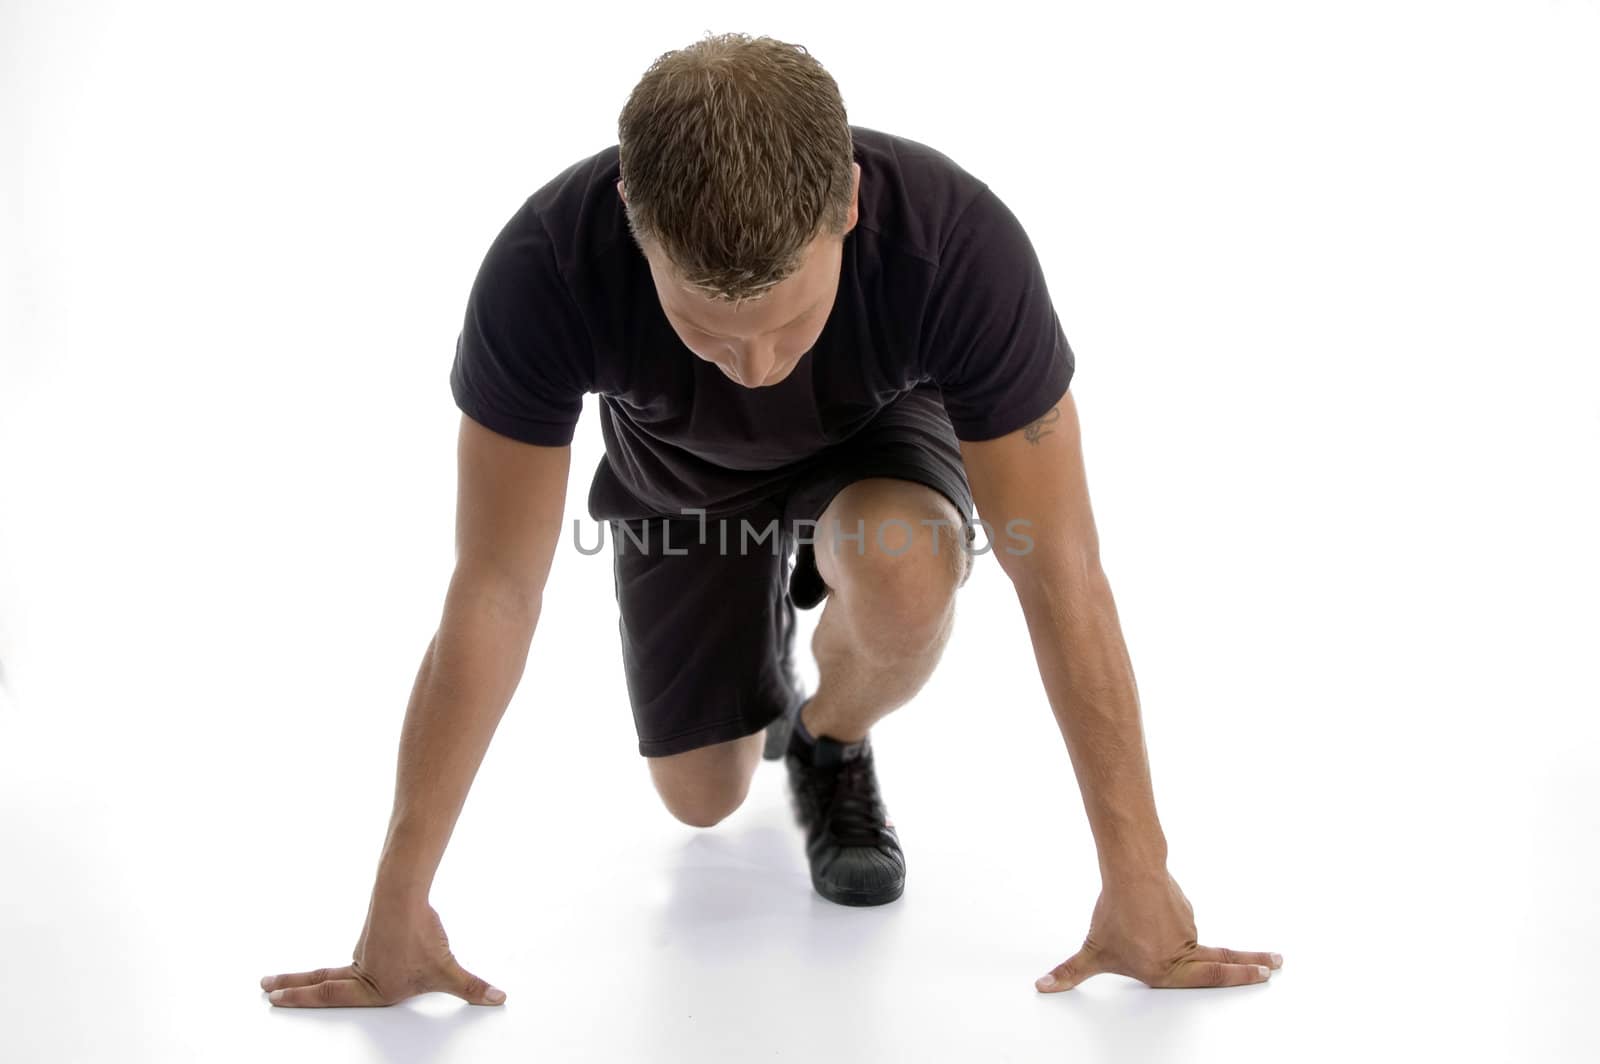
<point x="470" y="988"/>
<point x="1234" y="956"/>
<point x="1199" y="973"/>
<point x="273" y="982"/>
<point x="330" y="993"/>
<point x="1070" y="972"/>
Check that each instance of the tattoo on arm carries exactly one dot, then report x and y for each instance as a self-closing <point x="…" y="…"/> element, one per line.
<point x="1035" y="429"/>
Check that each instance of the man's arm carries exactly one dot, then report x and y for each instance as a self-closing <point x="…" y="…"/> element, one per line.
<point x="1142" y="925"/>
<point x="509" y="505"/>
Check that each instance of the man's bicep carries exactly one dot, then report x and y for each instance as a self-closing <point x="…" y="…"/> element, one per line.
<point x="510" y="499"/>
<point x="1031" y="488"/>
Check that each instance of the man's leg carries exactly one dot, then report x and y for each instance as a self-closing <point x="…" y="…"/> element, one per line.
<point x="889" y="611"/>
<point x="705" y="629"/>
<point x="896" y="482"/>
<point x="891" y="602"/>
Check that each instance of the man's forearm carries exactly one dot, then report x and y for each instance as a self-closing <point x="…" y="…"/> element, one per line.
<point x="1083" y="663"/>
<point x="467" y="677"/>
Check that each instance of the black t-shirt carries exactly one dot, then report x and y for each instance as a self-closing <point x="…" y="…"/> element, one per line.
<point x="939" y="288"/>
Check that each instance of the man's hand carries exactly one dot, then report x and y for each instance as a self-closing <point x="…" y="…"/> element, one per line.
<point x="402" y="951"/>
<point x="1146" y="930"/>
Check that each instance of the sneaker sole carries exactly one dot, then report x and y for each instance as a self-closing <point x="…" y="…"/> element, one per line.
<point x="881" y="897"/>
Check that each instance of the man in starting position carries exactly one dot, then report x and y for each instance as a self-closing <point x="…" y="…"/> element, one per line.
<point x="807" y="336"/>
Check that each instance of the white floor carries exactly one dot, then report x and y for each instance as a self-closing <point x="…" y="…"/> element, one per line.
<point x="1333" y="304"/>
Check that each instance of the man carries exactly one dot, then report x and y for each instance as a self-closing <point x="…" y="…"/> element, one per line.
<point x="793" y="323"/>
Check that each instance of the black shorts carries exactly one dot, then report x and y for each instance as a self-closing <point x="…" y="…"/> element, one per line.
<point x="707" y="604"/>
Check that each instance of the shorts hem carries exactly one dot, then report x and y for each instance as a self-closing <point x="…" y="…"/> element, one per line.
<point x="705" y="735"/>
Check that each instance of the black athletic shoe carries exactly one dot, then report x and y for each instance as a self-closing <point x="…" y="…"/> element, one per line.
<point x="851" y="843"/>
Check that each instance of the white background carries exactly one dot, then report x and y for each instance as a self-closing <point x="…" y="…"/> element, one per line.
<point x="1330" y="272"/>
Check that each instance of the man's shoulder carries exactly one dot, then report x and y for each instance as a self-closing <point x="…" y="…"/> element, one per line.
<point x="912" y="194"/>
<point x="578" y="211"/>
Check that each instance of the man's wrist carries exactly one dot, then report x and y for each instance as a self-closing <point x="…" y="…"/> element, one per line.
<point x="405" y="870"/>
<point x="1131" y="861"/>
<point x="400" y="884"/>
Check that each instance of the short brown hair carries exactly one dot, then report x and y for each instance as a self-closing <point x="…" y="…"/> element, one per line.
<point x="735" y="155"/>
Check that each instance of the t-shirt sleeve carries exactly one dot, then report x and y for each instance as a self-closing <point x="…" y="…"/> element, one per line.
<point x="992" y="341"/>
<point x="524" y="358"/>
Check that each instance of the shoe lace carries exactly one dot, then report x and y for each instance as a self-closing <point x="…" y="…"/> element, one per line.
<point x="847" y="798"/>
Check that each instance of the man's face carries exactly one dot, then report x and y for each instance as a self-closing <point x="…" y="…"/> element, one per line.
<point x="761" y="342"/>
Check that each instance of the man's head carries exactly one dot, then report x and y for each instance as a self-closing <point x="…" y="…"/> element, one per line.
<point x="739" y="187"/>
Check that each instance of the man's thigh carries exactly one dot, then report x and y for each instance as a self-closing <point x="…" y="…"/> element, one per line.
<point x="911" y="445"/>
<point x="706" y="629"/>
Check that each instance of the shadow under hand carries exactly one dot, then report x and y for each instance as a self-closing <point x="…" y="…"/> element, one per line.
<point x="415" y="1031"/>
<point x="1129" y="1022"/>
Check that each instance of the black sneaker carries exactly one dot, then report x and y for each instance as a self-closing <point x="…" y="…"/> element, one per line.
<point x="851" y="843"/>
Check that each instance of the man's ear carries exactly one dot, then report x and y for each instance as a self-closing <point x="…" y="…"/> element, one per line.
<point x="855" y="199"/>
<point x="620" y="191"/>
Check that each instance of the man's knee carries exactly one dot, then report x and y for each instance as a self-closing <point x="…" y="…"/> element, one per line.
<point x="703" y="812"/>
<point x="896" y="558"/>
<point x="703" y="787"/>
